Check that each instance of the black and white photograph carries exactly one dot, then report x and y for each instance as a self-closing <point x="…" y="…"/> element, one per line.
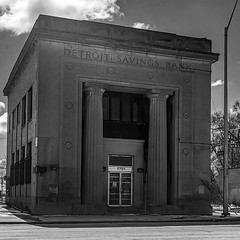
<point x="119" y="119"/>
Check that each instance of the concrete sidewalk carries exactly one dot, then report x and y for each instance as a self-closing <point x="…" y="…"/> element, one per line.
<point x="11" y="215"/>
<point x="14" y="216"/>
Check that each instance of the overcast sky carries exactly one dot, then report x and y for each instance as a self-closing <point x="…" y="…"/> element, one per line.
<point x="195" y="18"/>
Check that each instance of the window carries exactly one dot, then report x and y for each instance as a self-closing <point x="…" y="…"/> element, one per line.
<point x="12" y="160"/>
<point x="137" y="109"/>
<point x="28" y="163"/>
<point x="24" y="110"/>
<point x="13" y="119"/>
<point x="118" y="160"/>
<point x="21" y="172"/>
<point x="18" y="113"/>
<point x="21" y="166"/>
<point x="12" y="177"/>
<point x="125" y="115"/>
<point x="17" y="156"/>
<point x="29" y="150"/>
<point x="29" y="110"/>
<point x="125" y="107"/>
<point x="115" y="108"/>
<point x="23" y="153"/>
<point x="16" y="175"/>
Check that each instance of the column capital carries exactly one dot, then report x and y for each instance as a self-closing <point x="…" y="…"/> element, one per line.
<point x="159" y="93"/>
<point x="94" y="90"/>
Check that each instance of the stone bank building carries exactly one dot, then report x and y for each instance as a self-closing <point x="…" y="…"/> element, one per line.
<point x="109" y="119"/>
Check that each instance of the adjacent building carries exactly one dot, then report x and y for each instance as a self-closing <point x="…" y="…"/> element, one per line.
<point x="109" y="119"/>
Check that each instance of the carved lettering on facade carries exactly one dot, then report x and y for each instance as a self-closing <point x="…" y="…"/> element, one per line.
<point x="177" y="66"/>
<point x="98" y="55"/>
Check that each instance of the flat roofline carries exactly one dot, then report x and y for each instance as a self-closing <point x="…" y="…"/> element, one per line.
<point x="123" y="33"/>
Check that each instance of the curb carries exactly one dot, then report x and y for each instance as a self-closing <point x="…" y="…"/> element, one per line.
<point x="42" y="222"/>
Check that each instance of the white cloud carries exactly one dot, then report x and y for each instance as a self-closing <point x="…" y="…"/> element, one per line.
<point x="3" y="126"/>
<point x="217" y="83"/>
<point x="2" y="106"/>
<point x="143" y="26"/>
<point x="20" y="15"/>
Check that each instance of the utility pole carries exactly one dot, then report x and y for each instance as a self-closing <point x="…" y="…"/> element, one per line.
<point x="2" y="185"/>
<point x="226" y="127"/>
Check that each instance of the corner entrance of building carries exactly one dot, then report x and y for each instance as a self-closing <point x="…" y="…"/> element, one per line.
<point x="120" y="181"/>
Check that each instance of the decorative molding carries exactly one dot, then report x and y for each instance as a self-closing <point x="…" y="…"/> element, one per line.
<point x="111" y="70"/>
<point x="150" y="75"/>
<point x="69" y="105"/>
<point x="187" y="79"/>
<point x="185" y="151"/>
<point x="68" y="145"/>
<point x="186" y="115"/>
<point x="69" y="66"/>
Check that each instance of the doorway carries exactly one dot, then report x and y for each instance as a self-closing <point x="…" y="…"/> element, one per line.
<point x="120" y="181"/>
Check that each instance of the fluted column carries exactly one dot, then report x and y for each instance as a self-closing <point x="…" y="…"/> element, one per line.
<point x="157" y="149"/>
<point x="93" y="146"/>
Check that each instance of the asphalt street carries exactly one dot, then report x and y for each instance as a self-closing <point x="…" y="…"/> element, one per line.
<point x="78" y="231"/>
<point x="15" y="224"/>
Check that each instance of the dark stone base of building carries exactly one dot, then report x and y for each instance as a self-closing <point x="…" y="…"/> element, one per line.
<point x="56" y="207"/>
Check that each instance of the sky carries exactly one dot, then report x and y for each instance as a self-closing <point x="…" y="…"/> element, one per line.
<point x="194" y="18"/>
